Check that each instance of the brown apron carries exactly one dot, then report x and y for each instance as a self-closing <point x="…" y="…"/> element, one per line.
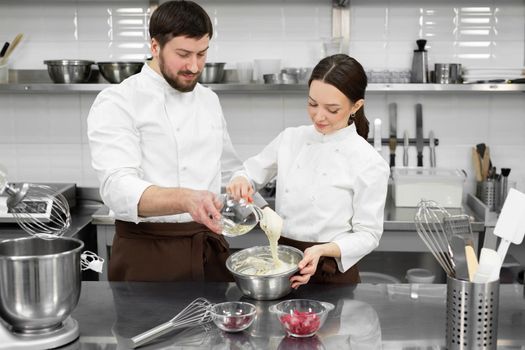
<point x="327" y="271"/>
<point x="157" y="252"/>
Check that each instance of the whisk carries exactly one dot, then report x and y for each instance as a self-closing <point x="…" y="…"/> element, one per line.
<point x="429" y="225"/>
<point x="195" y="314"/>
<point x="38" y="209"/>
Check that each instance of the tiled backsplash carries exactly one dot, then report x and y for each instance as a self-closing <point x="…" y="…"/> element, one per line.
<point x="43" y="136"/>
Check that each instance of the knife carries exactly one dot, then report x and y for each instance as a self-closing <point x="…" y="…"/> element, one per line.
<point x="405" y="149"/>
<point x="392" y="111"/>
<point x="419" y="134"/>
<point x="377" y="134"/>
<point x="432" y="149"/>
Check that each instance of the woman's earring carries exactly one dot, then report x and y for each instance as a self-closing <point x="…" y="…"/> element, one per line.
<point x="352" y="116"/>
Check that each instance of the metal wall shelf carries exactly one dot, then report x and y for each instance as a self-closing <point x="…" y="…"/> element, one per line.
<point x="30" y="87"/>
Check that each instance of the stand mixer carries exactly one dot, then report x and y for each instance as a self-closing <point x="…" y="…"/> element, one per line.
<point x="40" y="276"/>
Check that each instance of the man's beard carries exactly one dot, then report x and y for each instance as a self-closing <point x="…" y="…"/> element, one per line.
<point x="176" y="83"/>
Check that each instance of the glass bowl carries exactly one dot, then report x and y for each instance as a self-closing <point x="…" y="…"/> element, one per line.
<point x="233" y="316"/>
<point x="238" y="217"/>
<point x="301" y="317"/>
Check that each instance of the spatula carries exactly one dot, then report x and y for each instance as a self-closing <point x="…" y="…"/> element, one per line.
<point x="459" y="225"/>
<point x="457" y="245"/>
<point x="489" y="261"/>
<point x="511" y="222"/>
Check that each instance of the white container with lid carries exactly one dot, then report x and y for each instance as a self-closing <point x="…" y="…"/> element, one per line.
<point x="444" y="186"/>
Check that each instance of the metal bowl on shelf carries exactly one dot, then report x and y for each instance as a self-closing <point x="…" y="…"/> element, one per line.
<point x="212" y="73"/>
<point x="263" y="287"/>
<point x="116" y="72"/>
<point x="69" y="71"/>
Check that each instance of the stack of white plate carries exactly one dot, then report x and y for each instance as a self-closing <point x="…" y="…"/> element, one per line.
<point x="471" y="75"/>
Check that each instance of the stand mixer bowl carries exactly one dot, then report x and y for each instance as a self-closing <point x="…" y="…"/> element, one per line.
<point x="40" y="282"/>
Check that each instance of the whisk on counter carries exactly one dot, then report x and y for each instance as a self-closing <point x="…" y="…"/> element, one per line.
<point x="197" y="313"/>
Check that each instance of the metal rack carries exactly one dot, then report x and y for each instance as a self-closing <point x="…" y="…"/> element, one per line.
<point x="46" y="87"/>
<point x="400" y="141"/>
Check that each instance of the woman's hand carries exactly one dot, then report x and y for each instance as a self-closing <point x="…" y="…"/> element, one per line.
<point x="307" y="266"/>
<point x="239" y="187"/>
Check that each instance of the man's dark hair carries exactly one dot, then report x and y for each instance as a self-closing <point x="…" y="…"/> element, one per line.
<point x="179" y="18"/>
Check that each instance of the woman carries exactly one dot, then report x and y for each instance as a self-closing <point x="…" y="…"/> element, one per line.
<point x="331" y="183"/>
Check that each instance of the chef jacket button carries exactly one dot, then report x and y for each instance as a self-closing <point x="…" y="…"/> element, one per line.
<point x="308" y="143"/>
<point x="337" y="149"/>
<point x="298" y="167"/>
<point x="324" y="174"/>
<point x="178" y="129"/>
<point x="286" y="190"/>
<point x="183" y="168"/>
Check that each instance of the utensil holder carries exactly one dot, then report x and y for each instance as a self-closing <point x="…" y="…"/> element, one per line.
<point x="472" y="314"/>
<point x="486" y="191"/>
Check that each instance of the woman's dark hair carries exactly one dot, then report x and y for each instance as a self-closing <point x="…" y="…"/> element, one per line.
<point x="349" y="77"/>
<point x="179" y="18"/>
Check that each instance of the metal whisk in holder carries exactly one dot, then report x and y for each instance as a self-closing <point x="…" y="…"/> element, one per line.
<point x="472" y="314"/>
<point x="38" y="209"/>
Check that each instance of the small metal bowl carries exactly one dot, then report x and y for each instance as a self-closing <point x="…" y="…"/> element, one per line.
<point x="69" y="71"/>
<point x="264" y="287"/>
<point x="212" y="73"/>
<point x="233" y="316"/>
<point x="116" y="72"/>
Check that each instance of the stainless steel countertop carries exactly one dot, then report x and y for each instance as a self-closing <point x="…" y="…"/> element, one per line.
<point x="366" y="316"/>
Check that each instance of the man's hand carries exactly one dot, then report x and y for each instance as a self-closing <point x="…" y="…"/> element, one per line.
<point x="239" y="187"/>
<point x="204" y="206"/>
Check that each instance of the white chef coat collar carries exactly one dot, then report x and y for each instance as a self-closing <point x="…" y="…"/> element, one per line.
<point x="159" y="81"/>
<point x="335" y="136"/>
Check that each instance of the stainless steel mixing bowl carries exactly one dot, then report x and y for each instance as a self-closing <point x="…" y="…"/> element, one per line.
<point x="212" y="73"/>
<point x="39" y="282"/>
<point x="266" y="287"/>
<point x="116" y="72"/>
<point x="69" y="71"/>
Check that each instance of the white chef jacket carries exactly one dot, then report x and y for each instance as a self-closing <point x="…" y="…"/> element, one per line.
<point x="330" y="188"/>
<point x="143" y="132"/>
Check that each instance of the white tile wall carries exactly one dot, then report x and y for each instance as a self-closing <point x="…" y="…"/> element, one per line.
<point x="43" y="136"/>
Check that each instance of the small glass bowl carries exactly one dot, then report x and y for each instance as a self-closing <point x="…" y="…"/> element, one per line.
<point x="233" y="316"/>
<point x="301" y="317"/>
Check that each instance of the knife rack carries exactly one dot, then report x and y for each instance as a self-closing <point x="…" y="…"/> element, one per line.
<point x="401" y="141"/>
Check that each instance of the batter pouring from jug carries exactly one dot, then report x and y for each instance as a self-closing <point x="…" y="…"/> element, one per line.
<point x="331" y="183"/>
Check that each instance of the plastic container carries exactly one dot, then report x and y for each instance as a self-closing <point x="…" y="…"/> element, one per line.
<point x="418" y="275"/>
<point x="444" y="186"/>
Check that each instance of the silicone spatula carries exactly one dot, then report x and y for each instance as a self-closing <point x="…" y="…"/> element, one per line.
<point x="489" y="262"/>
<point x="511" y="222"/>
